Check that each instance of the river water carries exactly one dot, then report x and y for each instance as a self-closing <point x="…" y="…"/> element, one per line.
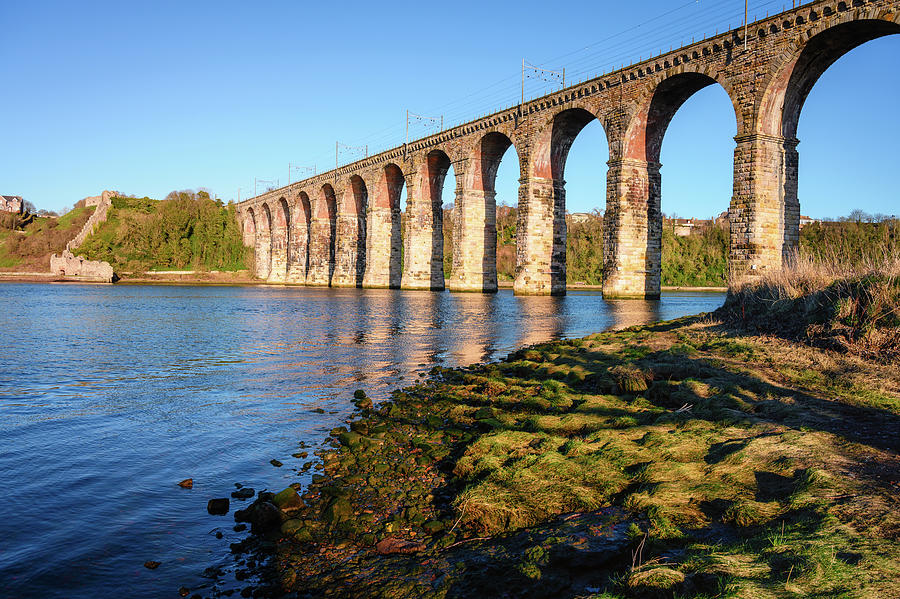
<point x="110" y="395"/>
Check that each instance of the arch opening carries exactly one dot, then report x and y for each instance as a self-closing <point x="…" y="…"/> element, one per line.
<point x="423" y="254"/>
<point x="281" y="241"/>
<point x="542" y="257"/>
<point x="586" y="167"/>
<point x="778" y="121"/>
<point x="698" y="162"/>
<point x="384" y="241"/>
<point x="506" y="189"/>
<point x="846" y="188"/>
<point x="351" y="234"/>
<point x="300" y="239"/>
<point x="323" y="231"/>
<point x="264" y="244"/>
<point x="249" y="228"/>
<point x="329" y="203"/>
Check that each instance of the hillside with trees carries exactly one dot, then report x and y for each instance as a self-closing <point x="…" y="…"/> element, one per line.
<point x="186" y="231"/>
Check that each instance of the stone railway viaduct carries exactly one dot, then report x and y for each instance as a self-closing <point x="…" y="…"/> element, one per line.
<point x="342" y="228"/>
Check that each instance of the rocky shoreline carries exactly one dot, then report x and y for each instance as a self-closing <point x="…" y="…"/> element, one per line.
<point x="675" y="459"/>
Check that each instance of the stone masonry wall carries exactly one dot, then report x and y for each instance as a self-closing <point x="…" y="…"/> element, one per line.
<point x="68" y="265"/>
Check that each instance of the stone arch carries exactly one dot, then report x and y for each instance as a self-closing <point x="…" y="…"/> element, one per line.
<point x="555" y="139"/>
<point x="298" y="264"/>
<point x="249" y="227"/>
<point x="264" y="243"/>
<point x="793" y="78"/>
<point x="658" y="105"/>
<point x="350" y="248"/>
<point x="383" y="234"/>
<point x="475" y="226"/>
<point x="484" y="160"/>
<point x="423" y="265"/>
<point x="322" y="237"/>
<point x="280" y="244"/>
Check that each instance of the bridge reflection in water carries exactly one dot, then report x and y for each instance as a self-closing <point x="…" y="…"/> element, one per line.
<point x="379" y="338"/>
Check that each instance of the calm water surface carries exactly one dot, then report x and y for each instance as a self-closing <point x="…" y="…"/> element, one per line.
<point x="110" y="395"/>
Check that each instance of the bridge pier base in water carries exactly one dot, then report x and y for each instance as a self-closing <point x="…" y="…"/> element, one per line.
<point x="632" y="230"/>
<point x="541" y="237"/>
<point x="475" y="242"/>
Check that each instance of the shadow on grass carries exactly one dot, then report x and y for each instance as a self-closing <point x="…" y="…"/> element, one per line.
<point x="579" y="405"/>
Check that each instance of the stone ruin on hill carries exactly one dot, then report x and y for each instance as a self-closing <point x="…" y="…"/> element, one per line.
<point x="68" y="264"/>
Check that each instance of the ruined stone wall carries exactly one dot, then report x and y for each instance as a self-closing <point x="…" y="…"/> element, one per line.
<point x="103" y="204"/>
<point x="69" y="265"/>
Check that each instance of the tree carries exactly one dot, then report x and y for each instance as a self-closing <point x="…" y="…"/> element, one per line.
<point x="858" y="216"/>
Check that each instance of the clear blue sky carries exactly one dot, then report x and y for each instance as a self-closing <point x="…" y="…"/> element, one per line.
<point x="147" y="98"/>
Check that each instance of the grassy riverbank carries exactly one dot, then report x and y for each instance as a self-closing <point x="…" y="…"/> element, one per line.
<point x="694" y="458"/>
<point x="27" y="242"/>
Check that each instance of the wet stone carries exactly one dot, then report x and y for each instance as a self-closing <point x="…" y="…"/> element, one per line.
<point x="218" y="506"/>
<point x="243" y="493"/>
<point x="288" y="500"/>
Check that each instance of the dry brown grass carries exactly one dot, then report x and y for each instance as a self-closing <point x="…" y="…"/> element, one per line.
<point x="832" y="303"/>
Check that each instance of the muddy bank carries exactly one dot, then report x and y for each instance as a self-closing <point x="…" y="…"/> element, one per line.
<point x="678" y="459"/>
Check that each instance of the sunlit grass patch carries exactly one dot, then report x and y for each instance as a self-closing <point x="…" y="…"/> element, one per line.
<point x="514" y="493"/>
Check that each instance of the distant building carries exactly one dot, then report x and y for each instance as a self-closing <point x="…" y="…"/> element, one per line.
<point x="682" y="227"/>
<point x="12" y="204"/>
<point x="580" y="217"/>
<point x="805" y="220"/>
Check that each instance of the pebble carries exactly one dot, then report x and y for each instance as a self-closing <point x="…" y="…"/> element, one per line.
<point x="187" y="483"/>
